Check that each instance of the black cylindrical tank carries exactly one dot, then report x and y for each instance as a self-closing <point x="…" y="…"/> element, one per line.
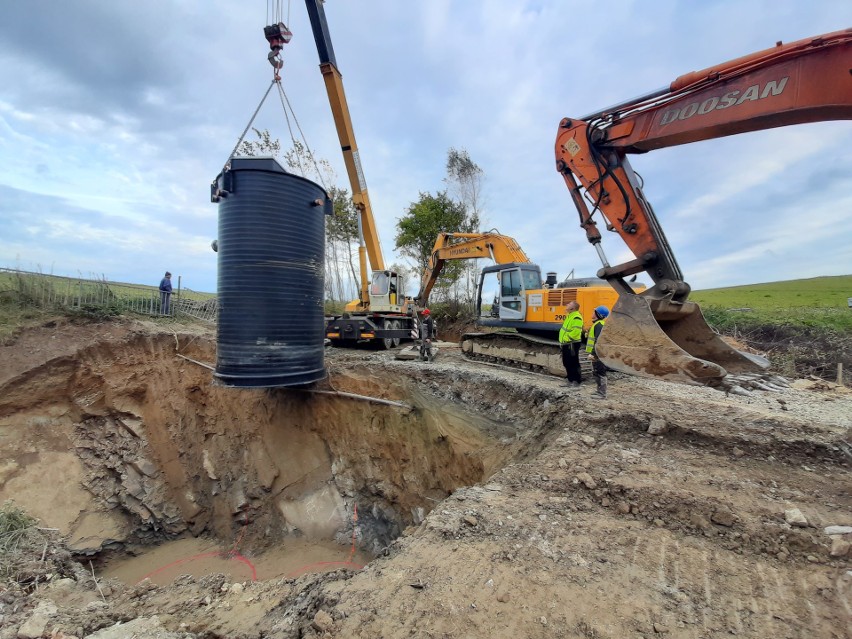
<point x="271" y="250"/>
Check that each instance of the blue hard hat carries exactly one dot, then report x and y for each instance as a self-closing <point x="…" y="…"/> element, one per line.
<point x="602" y="311"/>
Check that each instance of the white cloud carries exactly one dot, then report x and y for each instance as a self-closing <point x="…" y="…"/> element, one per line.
<point x="135" y="140"/>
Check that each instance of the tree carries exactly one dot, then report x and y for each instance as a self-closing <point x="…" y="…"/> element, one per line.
<point x="341" y="233"/>
<point x="265" y="145"/>
<point x="464" y="180"/>
<point x="418" y="228"/>
<point x="300" y="159"/>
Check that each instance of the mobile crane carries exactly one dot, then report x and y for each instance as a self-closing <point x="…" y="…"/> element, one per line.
<point x="516" y="298"/>
<point x="659" y="332"/>
<point x="382" y="313"/>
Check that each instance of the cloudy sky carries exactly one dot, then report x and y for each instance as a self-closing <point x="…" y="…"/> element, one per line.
<point x="115" y="117"/>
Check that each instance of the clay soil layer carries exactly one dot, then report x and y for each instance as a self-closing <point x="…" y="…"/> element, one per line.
<point x="499" y="504"/>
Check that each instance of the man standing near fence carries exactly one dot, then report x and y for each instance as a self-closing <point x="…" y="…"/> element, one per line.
<point x="165" y="293"/>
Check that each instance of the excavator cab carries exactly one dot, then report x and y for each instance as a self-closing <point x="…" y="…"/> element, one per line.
<point x="502" y="293"/>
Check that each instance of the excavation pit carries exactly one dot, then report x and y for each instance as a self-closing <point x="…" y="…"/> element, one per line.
<point x="153" y="470"/>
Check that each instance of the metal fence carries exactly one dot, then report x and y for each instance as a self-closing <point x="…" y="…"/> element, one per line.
<point x="207" y="310"/>
<point x="99" y="295"/>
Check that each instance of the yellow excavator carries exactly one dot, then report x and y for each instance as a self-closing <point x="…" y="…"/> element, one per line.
<point x="525" y="311"/>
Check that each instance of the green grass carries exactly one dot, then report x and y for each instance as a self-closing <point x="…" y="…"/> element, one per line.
<point x="30" y="299"/>
<point x="74" y="286"/>
<point x="21" y="294"/>
<point x="14" y="524"/>
<point x="819" y="302"/>
<point x="816" y="292"/>
<point x="14" y="317"/>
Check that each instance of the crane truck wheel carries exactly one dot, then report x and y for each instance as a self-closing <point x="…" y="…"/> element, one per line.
<point x="387" y="342"/>
<point x="396" y="324"/>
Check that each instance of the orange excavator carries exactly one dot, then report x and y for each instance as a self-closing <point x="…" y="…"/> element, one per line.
<point x="658" y="332"/>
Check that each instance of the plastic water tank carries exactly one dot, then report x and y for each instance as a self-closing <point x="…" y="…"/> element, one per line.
<point x="271" y="250"/>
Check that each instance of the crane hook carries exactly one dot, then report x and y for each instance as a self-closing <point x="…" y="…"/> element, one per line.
<point x="277" y="35"/>
<point x="275" y="60"/>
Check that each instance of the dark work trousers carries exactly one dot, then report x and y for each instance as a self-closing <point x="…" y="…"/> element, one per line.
<point x="599" y="371"/>
<point x="571" y="361"/>
<point x="426" y="349"/>
<point x="165" y="298"/>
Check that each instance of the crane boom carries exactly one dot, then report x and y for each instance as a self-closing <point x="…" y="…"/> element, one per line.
<point x="369" y="237"/>
<point x="658" y="332"/>
<point x="382" y="313"/>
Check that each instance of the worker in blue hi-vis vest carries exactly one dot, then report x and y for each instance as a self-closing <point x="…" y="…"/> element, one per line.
<point x="598" y="368"/>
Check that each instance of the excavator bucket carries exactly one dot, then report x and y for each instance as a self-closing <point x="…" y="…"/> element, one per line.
<point x="669" y="340"/>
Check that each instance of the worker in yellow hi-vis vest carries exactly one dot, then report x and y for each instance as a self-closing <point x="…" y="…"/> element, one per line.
<point x="570" y="336"/>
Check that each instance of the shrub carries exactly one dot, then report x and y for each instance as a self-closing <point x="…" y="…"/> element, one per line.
<point x="798" y="342"/>
<point x="106" y="311"/>
<point x="14" y="524"/>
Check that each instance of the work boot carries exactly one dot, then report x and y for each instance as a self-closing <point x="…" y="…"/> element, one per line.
<point x="600" y="393"/>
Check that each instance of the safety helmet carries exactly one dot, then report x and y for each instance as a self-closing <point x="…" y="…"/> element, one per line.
<point x="602" y="311"/>
<point x="426" y="311"/>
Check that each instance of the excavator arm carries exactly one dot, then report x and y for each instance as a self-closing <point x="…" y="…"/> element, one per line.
<point x="463" y="246"/>
<point x="659" y="332"/>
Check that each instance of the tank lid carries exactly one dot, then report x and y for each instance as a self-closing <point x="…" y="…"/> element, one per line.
<point x="256" y="164"/>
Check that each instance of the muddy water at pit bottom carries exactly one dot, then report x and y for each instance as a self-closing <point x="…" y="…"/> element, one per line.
<point x="200" y="557"/>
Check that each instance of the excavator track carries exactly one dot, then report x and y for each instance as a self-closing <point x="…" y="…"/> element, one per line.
<point x="540" y="355"/>
<point x="518" y="350"/>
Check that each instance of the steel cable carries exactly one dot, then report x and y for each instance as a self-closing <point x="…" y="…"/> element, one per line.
<point x="248" y="126"/>
<point x="310" y="153"/>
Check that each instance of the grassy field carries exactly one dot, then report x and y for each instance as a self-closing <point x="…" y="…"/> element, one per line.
<point x="30" y="298"/>
<point x="18" y="281"/>
<point x="819" y="302"/>
<point x="816" y="292"/>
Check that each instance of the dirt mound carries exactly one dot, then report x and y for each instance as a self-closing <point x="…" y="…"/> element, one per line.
<point x="453" y="330"/>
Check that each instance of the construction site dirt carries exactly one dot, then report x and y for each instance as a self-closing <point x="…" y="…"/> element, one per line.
<point x="476" y="501"/>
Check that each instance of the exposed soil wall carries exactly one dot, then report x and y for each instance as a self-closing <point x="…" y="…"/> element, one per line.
<point x="145" y="447"/>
